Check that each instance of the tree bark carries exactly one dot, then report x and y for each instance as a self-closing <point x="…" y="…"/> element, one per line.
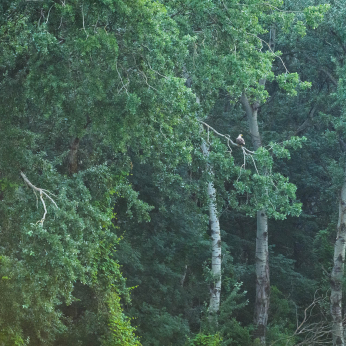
<point x="262" y="277"/>
<point x="251" y="113"/>
<point x="215" y="291"/>
<point x="338" y="271"/>
<point x="262" y="257"/>
<point x="72" y="156"/>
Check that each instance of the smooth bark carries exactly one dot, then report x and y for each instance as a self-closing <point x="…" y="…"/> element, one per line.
<point x="215" y="291"/>
<point x="337" y="274"/>
<point x="251" y="113"/>
<point x="262" y="257"/>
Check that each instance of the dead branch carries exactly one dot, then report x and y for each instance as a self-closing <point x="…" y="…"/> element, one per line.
<point x="42" y="192"/>
<point x="229" y="141"/>
<point x="315" y="327"/>
<point x="84" y="24"/>
<point x="246" y="152"/>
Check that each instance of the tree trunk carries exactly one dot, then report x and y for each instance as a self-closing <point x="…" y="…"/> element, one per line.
<point x="262" y="258"/>
<point x="72" y="156"/>
<point x="215" y="292"/>
<point x="262" y="277"/>
<point x="338" y="271"/>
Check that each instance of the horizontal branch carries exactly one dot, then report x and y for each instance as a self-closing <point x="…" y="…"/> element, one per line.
<point x="226" y="136"/>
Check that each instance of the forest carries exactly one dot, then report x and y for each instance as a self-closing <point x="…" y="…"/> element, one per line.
<point x="172" y="172"/>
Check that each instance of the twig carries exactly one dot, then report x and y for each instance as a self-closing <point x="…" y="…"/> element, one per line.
<point x="42" y="192"/>
<point x="150" y="65"/>
<point x="116" y="66"/>
<point x="146" y="80"/>
<point x="60" y="23"/>
<point x="49" y="13"/>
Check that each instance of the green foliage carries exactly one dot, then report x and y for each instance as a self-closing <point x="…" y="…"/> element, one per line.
<point x="232" y="332"/>
<point x="68" y="78"/>
<point x="236" y="334"/>
<point x="289" y="82"/>
<point x="121" y="79"/>
<point x="266" y="189"/>
<point x="121" y="330"/>
<point x="205" y="340"/>
<point x="300" y="28"/>
<point x="323" y="249"/>
<point x="315" y="14"/>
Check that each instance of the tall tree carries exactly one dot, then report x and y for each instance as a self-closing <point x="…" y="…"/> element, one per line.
<point x="215" y="291"/>
<point x="80" y="83"/>
<point x="262" y="254"/>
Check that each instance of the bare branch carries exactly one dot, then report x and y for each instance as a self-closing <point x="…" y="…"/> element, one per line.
<point x="124" y="86"/>
<point x="60" y="23"/>
<point x="225" y="136"/>
<point x="146" y="80"/>
<point x="246" y="152"/>
<point x="84" y="24"/>
<point x="49" y="13"/>
<point x="315" y="327"/>
<point x="42" y="192"/>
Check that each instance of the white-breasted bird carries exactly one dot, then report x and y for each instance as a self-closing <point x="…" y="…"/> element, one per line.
<point x="240" y="140"/>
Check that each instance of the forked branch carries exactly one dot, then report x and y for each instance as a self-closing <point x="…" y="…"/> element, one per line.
<point x="246" y="152"/>
<point x="229" y="141"/>
<point x="42" y="192"/>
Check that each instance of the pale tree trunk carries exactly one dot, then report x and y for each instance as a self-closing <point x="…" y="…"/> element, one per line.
<point x="262" y="277"/>
<point x="215" y="291"/>
<point x="262" y="257"/>
<point x="338" y="271"/>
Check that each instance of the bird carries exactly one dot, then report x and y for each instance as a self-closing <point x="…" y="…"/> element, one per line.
<point x="240" y="140"/>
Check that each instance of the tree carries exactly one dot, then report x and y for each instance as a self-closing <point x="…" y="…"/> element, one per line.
<point x="79" y="85"/>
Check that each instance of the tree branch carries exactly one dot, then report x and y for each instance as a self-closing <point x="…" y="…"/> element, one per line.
<point x="323" y="69"/>
<point x="42" y="192"/>
<point x="229" y="141"/>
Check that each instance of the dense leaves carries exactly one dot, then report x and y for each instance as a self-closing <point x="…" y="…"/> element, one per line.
<point x="102" y="105"/>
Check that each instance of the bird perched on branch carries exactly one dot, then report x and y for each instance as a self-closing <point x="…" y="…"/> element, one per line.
<point x="240" y="140"/>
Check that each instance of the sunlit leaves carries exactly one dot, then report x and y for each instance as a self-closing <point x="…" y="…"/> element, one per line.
<point x="315" y="14"/>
